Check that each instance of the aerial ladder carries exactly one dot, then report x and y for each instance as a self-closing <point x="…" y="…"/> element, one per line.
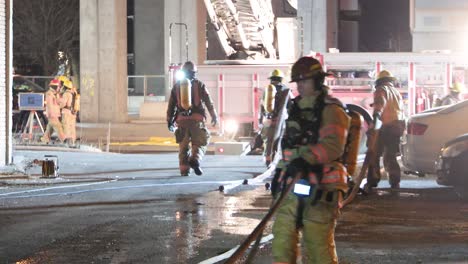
<point x="243" y="26"/>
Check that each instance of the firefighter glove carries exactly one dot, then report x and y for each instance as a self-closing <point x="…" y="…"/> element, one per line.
<point x="290" y="154"/>
<point x="171" y="127"/>
<point x="214" y="120"/>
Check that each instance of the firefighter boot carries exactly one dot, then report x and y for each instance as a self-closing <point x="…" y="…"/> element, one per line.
<point x="196" y="167"/>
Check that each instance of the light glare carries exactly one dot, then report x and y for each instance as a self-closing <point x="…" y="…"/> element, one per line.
<point x="180" y="75"/>
<point x="231" y="126"/>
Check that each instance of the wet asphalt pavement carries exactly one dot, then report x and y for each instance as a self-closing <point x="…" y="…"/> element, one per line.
<point x="115" y="208"/>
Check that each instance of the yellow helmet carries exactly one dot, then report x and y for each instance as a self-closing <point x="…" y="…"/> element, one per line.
<point x="276" y="73"/>
<point x="457" y="87"/>
<point x="62" y="78"/>
<point x="384" y="74"/>
<point x="68" y="84"/>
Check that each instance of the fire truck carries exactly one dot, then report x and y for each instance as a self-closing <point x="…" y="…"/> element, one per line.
<point x="236" y="86"/>
<point x="248" y="26"/>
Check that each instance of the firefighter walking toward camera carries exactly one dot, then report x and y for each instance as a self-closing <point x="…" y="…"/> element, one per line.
<point x="273" y="109"/>
<point x="186" y="116"/>
<point x="387" y="108"/>
<point x="68" y="112"/>
<point x="313" y="144"/>
<point x="53" y="112"/>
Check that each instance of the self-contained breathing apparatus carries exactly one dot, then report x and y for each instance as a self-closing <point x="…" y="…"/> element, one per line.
<point x="269" y="98"/>
<point x="185" y="99"/>
<point x="300" y="131"/>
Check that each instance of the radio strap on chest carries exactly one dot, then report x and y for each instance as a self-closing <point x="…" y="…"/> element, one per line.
<point x="300" y="212"/>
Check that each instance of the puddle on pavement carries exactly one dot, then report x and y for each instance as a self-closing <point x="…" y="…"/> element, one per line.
<point x="195" y="221"/>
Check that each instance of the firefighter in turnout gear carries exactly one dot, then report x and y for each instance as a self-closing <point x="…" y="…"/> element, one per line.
<point x="454" y="96"/>
<point x="313" y="144"/>
<point x="53" y="112"/>
<point x="273" y="113"/>
<point x="68" y="113"/>
<point x="186" y="116"/>
<point x="388" y="109"/>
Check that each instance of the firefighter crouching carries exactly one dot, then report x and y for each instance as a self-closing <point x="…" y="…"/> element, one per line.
<point x="313" y="143"/>
<point x="274" y="109"/>
<point x="388" y="109"/>
<point x="186" y="116"/>
<point x="68" y="113"/>
<point x="53" y="112"/>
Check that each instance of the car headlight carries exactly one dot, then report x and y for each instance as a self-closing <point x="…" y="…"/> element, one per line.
<point x="438" y="163"/>
<point x="454" y="149"/>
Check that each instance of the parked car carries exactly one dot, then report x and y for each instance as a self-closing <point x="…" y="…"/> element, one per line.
<point x="23" y="85"/>
<point x="428" y="132"/>
<point x="452" y="163"/>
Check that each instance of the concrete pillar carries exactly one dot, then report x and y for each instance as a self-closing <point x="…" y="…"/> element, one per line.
<point x="5" y="82"/>
<point x="201" y="32"/>
<point x="332" y="24"/>
<point x="149" y="32"/>
<point x="103" y="60"/>
<point x="182" y="11"/>
<point x="149" y="46"/>
<point x="314" y="18"/>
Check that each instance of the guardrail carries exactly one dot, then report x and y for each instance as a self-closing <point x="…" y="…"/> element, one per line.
<point x="141" y="88"/>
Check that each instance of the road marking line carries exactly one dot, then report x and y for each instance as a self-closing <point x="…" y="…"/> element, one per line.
<point x="107" y="189"/>
<point x="56" y="187"/>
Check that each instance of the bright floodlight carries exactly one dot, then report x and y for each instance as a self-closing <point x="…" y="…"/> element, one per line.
<point x="180" y="75"/>
<point x="231" y="126"/>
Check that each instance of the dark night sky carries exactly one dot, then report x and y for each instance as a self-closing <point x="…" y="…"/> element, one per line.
<point x="384" y="22"/>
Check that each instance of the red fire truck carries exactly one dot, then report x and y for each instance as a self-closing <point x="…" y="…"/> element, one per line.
<point x="236" y="86"/>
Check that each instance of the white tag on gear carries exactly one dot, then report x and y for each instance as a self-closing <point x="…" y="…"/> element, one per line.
<point x="301" y="189"/>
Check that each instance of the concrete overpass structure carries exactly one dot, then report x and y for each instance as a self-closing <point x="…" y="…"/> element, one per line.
<point x="103" y="44"/>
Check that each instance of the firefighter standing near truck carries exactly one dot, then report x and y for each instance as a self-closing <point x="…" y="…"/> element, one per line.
<point x="273" y="113"/>
<point x="68" y="112"/>
<point x="313" y="144"/>
<point x="454" y="96"/>
<point x="387" y="108"/>
<point x="53" y="112"/>
<point x="186" y="116"/>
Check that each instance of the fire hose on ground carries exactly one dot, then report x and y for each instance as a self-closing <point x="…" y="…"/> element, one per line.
<point x="258" y="231"/>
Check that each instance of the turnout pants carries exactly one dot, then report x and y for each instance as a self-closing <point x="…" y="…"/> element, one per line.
<point x="318" y="230"/>
<point x="53" y="125"/>
<point x="388" y="145"/>
<point x="69" y="125"/>
<point x="193" y="138"/>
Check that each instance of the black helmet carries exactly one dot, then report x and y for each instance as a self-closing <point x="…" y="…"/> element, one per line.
<point x="189" y="66"/>
<point x="307" y="68"/>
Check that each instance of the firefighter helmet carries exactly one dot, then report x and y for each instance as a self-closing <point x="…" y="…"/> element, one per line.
<point x="384" y="77"/>
<point x="63" y="78"/>
<point x="189" y="67"/>
<point x="457" y="87"/>
<point x="68" y="84"/>
<point x="276" y="73"/>
<point x="54" y="82"/>
<point x="307" y="68"/>
<point x="384" y="74"/>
